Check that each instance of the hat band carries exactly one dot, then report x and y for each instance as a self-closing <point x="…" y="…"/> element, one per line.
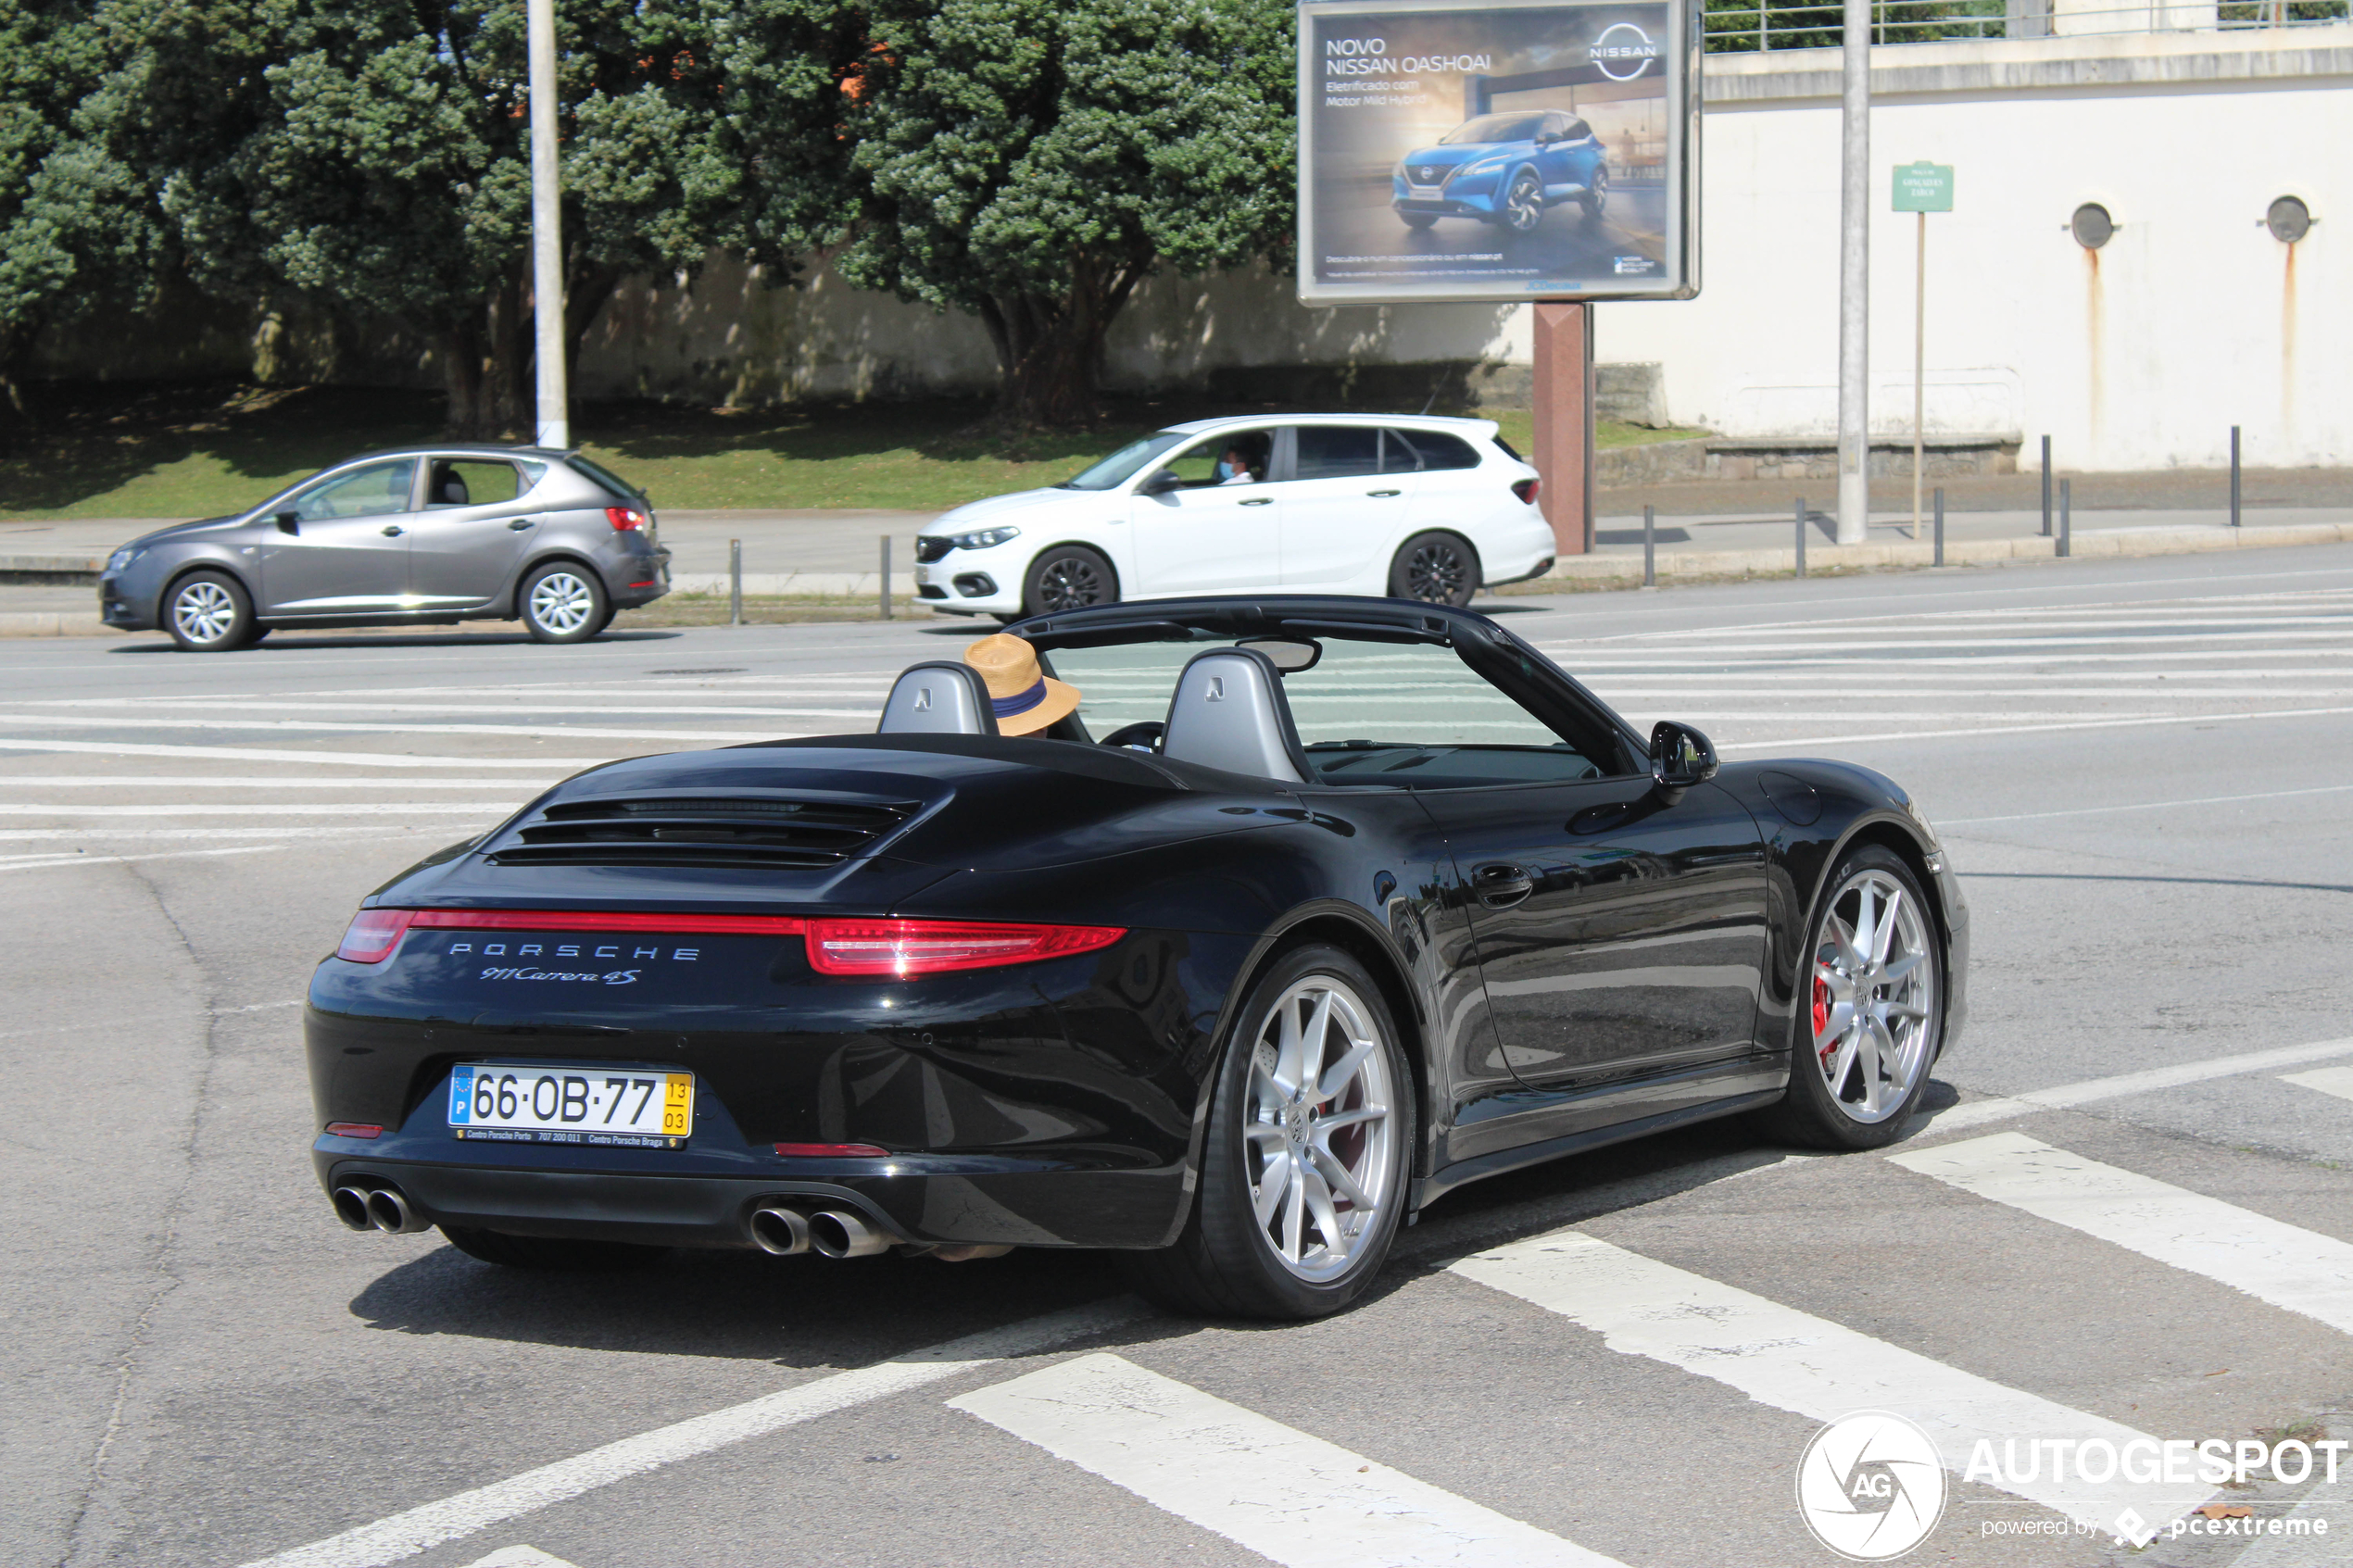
<point x="1007" y="706"/>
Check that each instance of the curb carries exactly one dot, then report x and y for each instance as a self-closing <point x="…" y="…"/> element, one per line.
<point x="1972" y="552"/>
<point x="55" y="623"/>
<point x="776" y="585"/>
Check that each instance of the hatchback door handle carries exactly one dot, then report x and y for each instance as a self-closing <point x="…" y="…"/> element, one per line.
<point x="1384" y="491"/>
<point x="1260" y="501"/>
<point x="394" y="531"/>
<point x="1501" y="885"/>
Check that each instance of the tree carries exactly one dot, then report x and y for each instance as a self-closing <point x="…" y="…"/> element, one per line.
<point x="1032" y="162"/>
<point x="375" y="155"/>
<point x="76" y="225"/>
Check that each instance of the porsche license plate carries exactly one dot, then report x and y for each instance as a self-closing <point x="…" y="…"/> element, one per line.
<point x="544" y="1102"/>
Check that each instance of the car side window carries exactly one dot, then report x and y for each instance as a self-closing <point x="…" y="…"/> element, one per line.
<point x="370" y="491"/>
<point x="1576" y="130"/>
<point x="1411" y="451"/>
<point x="1337" y="451"/>
<point x="471" y="481"/>
<point x="1228" y="458"/>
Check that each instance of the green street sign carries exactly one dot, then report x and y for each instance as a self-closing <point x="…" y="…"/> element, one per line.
<point x="1923" y="187"/>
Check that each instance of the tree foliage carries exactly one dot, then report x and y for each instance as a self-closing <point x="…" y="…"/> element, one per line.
<point x="1032" y="162"/>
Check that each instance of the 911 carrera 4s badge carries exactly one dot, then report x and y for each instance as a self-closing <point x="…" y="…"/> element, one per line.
<point x="524" y="1102"/>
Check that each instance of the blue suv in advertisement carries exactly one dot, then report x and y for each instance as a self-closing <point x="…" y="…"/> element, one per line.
<point x="1504" y="169"/>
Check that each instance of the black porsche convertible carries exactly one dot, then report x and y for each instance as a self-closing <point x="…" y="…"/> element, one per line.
<point x="1314" y="911"/>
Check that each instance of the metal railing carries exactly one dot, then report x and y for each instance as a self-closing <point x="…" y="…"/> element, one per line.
<point x="1733" y="28"/>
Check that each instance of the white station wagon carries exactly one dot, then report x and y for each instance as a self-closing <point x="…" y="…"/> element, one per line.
<point x="1406" y="507"/>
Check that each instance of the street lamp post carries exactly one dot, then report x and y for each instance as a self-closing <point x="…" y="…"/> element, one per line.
<point x="554" y="423"/>
<point x="1855" y="281"/>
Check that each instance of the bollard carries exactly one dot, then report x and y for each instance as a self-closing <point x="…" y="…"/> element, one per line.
<point x="886" y="577"/>
<point x="1939" y="528"/>
<point x="734" y="582"/>
<point x="2046" y="487"/>
<point x="2235" y="476"/>
<point x="2065" y="504"/>
<point x="1650" y="547"/>
<point x="1801" y="535"/>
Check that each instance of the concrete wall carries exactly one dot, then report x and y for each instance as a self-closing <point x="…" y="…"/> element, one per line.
<point x="2139" y="355"/>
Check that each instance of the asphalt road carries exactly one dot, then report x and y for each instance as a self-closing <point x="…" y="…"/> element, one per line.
<point x="2141" y="768"/>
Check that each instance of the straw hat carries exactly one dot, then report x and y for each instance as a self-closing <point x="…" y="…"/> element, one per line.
<point x="1026" y="699"/>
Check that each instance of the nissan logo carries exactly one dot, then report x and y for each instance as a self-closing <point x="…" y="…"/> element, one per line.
<point x="1623" y="52"/>
<point x="1426" y="175"/>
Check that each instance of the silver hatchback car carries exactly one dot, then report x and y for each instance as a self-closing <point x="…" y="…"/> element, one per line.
<point x="414" y="536"/>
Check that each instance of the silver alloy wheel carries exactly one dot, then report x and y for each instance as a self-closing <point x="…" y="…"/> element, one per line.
<point x="561" y="602"/>
<point x="1874" y="997"/>
<point x="1524" y="208"/>
<point x="1320" y="1141"/>
<point x="204" y="612"/>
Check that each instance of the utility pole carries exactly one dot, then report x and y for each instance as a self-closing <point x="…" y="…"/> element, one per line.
<point x="1854" y="280"/>
<point x="547" y="232"/>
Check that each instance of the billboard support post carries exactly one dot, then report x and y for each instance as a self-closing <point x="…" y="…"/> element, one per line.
<point x="1562" y="410"/>
<point x="1855" y="281"/>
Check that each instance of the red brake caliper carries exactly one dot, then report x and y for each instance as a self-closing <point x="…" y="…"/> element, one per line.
<point x="1822" y="1015"/>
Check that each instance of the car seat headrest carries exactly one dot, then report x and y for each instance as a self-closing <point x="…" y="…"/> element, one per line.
<point x="453" y="491"/>
<point x="938" y="699"/>
<point x="1229" y="713"/>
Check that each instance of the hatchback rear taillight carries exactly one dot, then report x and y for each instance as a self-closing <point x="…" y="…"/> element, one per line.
<point x="933" y="946"/>
<point x="625" y="519"/>
<point x="1527" y="490"/>
<point x="373" y="934"/>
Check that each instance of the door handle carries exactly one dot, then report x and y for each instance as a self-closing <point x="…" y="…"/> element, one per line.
<point x="1260" y="501"/>
<point x="520" y="523"/>
<point x="1501" y="885"/>
<point x="394" y="531"/>
<point x="1384" y="491"/>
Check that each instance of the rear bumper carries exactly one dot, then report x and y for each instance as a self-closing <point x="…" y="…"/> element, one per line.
<point x="988" y="1202"/>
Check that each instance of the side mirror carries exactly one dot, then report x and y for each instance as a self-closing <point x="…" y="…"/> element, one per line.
<point x="1160" y="484"/>
<point x="1681" y="756"/>
<point x="289" y="522"/>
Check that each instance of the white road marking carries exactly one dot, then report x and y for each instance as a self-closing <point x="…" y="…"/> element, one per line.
<point x="44" y="862"/>
<point x="274" y="808"/>
<point x="2033" y="729"/>
<point x="1277" y="1491"/>
<point x="184" y="781"/>
<point x="1793" y="1361"/>
<point x="2064" y="1097"/>
<point x="421" y="1528"/>
<point x="519" y="1557"/>
<point x="263" y="753"/>
<point x="568" y="732"/>
<point x="2300" y="1270"/>
<point x="2146" y="806"/>
<point x="2337" y="1081"/>
<point x="369" y="704"/>
<point x="46" y="836"/>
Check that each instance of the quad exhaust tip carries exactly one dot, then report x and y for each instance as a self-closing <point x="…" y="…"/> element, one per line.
<point x="378" y="1209"/>
<point x="836" y="1234"/>
<point x="780" y="1231"/>
<point x="351" y="1208"/>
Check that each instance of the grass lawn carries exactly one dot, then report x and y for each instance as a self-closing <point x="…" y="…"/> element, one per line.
<point x="181" y="451"/>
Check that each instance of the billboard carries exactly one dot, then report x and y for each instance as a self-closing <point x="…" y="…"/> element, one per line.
<point x="1497" y="149"/>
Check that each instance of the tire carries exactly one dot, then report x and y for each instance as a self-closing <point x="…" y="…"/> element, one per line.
<point x="210" y="612"/>
<point x="1439" y="569"/>
<point x="1252" y="1246"/>
<point x="1524" y="204"/>
<point x="552" y="1254"/>
<point x="1067" y="577"/>
<point x="1854" y="1087"/>
<point x="1595" y="199"/>
<point x="1418" y="221"/>
<point x="562" y="602"/>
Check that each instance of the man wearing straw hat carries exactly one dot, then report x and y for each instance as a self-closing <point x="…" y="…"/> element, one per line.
<point x="1026" y="700"/>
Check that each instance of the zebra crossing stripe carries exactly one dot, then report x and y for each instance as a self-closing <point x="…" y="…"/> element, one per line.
<point x="1795" y="1362"/>
<point x="2300" y="1270"/>
<point x="2337" y="1081"/>
<point x="1296" y="1499"/>
<point x="2066" y="1097"/>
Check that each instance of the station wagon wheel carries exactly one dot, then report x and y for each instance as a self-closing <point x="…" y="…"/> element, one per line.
<point x="1871" y="1012"/>
<point x="1439" y="569"/>
<point x="1524" y="207"/>
<point x="210" y="612"/>
<point x="1304" y="1163"/>
<point x="563" y="603"/>
<point x="1068" y="577"/>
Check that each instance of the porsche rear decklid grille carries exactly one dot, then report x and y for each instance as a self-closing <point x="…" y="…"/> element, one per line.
<point x="718" y="831"/>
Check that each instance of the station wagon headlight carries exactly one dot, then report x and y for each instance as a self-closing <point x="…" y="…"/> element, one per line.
<point x="984" y="539"/>
<point x="121" y="561"/>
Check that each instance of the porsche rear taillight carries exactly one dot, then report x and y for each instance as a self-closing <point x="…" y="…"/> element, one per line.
<point x="936" y="946"/>
<point x="373" y="934"/>
<point x="625" y="519"/>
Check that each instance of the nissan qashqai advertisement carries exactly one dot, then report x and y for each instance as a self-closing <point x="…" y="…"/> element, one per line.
<point x="1502" y="152"/>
